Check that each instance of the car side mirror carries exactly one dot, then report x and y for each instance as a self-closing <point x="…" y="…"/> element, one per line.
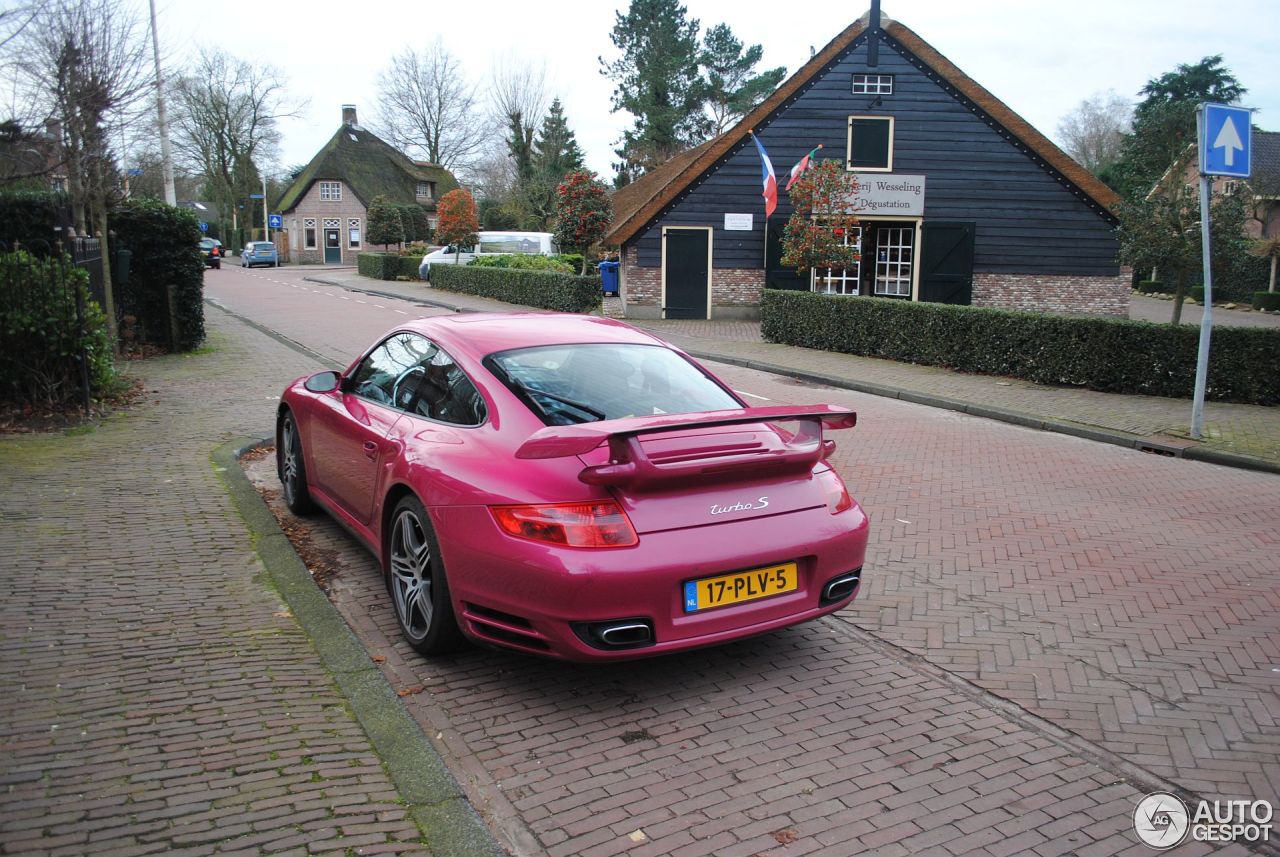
<point x="322" y="382"/>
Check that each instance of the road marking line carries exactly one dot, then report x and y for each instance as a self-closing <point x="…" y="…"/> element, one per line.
<point x="379" y="306"/>
<point x="360" y="301"/>
<point x="402" y="312"/>
<point x="752" y="396"/>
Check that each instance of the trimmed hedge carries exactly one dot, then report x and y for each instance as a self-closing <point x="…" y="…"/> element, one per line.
<point x="1150" y="287"/>
<point x="164" y="242"/>
<point x="380" y="266"/>
<point x="1196" y="293"/>
<point x="560" y="292"/>
<point x="31" y="219"/>
<point x="1266" y="300"/>
<point x="1111" y="355"/>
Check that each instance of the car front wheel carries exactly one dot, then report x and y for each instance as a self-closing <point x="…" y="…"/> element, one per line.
<point x="417" y="581"/>
<point x="292" y="469"/>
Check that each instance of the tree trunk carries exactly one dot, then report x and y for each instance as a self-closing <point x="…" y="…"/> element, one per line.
<point x="108" y="290"/>
<point x="1179" y="294"/>
<point x="1271" y="287"/>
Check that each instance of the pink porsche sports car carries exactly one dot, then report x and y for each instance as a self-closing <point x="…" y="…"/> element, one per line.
<point x="573" y="487"/>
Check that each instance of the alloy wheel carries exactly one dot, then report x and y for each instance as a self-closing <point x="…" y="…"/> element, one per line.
<point x="411" y="575"/>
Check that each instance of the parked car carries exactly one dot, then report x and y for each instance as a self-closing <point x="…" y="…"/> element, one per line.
<point x="211" y="251"/>
<point x="572" y="487"/>
<point x="490" y="244"/>
<point x="258" y="253"/>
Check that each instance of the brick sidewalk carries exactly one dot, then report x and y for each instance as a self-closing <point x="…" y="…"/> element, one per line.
<point x="157" y="696"/>
<point x="1247" y="430"/>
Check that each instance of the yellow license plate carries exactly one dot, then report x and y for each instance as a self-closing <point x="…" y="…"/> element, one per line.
<point x="740" y="586"/>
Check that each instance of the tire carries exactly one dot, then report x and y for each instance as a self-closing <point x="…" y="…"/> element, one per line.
<point x="292" y="469"/>
<point x="417" y="582"/>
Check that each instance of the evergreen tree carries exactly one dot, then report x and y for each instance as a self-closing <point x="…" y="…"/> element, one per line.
<point x="384" y="222"/>
<point x="732" y="87"/>
<point x="584" y="211"/>
<point x="1164" y="123"/>
<point x="657" y="81"/>
<point x="555" y="154"/>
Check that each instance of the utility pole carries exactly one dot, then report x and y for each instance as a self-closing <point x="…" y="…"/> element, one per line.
<point x="166" y="155"/>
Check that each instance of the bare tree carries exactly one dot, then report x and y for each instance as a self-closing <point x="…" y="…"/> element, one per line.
<point x="427" y="107"/>
<point x="225" y="123"/>
<point x="1093" y="133"/>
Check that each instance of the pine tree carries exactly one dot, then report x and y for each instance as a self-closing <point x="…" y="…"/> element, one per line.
<point x="555" y="154"/>
<point x="732" y="87"/>
<point x="657" y="81"/>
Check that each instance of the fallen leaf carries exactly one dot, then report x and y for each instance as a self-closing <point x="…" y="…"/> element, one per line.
<point x="786" y="836"/>
<point x="283" y="614"/>
<point x="378" y="659"/>
<point x="637" y="836"/>
<point x="410" y="691"/>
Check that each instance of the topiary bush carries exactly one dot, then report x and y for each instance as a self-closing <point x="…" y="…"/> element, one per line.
<point x="546" y="290"/>
<point x="1112" y="355"/>
<point x="163" y="242"/>
<point x="40" y="336"/>
<point x="1150" y="287"/>
<point x="1266" y="300"/>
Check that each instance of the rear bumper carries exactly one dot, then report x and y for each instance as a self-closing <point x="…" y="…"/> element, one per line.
<point x="529" y="596"/>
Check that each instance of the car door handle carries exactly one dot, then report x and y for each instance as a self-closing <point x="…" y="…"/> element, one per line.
<point x="370" y="450"/>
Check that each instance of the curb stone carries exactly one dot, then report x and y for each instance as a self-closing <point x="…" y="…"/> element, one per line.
<point x="450" y="825"/>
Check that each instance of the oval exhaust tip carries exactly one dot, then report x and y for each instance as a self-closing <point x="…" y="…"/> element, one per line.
<point x="630" y="634"/>
<point x="841" y="588"/>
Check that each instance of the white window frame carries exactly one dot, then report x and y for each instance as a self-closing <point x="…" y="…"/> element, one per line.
<point x="872" y="84"/>
<point x="309" y="233"/>
<point x="837" y="281"/>
<point x="848" y="151"/>
<point x="894" y="275"/>
<point x="425" y="190"/>
<point x="331" y="191"/>
<point x="353" y="225"/>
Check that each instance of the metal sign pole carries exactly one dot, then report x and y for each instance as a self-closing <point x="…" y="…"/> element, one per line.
<point x="1206" y="320"/>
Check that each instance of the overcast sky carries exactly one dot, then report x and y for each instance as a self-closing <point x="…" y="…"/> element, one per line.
<point x="1041" y="58"/>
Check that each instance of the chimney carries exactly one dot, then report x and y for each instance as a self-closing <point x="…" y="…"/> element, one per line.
<point x="349" y="114"/>
<point x="873" y="36"/>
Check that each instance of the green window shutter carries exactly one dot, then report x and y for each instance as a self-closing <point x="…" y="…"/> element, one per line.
<point x="870" y="143"/>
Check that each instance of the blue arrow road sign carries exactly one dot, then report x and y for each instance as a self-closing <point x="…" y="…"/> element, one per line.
<point x="1225" y="149"/>
<point x="275" y="221"/>
<point x="204" y="227"/>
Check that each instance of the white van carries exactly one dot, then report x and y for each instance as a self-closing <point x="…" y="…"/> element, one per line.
<point x="490" y="244"/>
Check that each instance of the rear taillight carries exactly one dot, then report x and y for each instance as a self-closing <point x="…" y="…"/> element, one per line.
<point x="577" y="525"/>
<point x="838" y="498"/>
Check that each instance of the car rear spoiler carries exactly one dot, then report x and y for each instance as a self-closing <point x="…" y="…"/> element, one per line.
<point x="628" y="462"/>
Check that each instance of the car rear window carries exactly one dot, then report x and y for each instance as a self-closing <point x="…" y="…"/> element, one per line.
<point x="565" y="384"/>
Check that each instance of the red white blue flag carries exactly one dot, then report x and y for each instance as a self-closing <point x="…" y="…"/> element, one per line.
<point x="770" y="192"/>
<point x="800" y="167"/>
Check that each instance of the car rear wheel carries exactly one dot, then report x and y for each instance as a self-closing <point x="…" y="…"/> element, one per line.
<point x="292" y="469"/>
<point x="417" y="581"/>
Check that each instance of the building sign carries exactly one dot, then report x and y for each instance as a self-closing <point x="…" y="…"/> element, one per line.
<point x="739" y="222"/>
<point x="889" y="194"/>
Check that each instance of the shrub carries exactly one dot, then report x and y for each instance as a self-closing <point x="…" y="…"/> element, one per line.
<point x="1196" y="293"/>
<point x="31" y="219"/>
<point x="525" y="262"/>
<point x="163" y="241"/>
<point x="1112" y="355"/>
<point x="1150" y="287"/>
<point x="1266" y="300"/>
<point x="40" y="336"/>
<point x="379" y="266"/>
<point x="385" y="226"/>
<point x="560" y="292"/>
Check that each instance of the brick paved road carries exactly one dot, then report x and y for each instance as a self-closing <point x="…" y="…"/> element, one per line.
<point x="1045" y="617"/>
<point x="156" y="697"/>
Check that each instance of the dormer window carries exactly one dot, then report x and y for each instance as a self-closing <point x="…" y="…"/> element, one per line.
<point x="426" y="190"/>
<point x="873" y="84"/>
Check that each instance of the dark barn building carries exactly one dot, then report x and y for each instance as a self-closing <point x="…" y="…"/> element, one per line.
<point x="961" y="200"/>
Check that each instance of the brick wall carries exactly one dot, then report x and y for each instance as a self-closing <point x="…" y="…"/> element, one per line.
<point x="736" y="287"/>
<point x="311" y="205"/>
<point x="640" y="286"/>
<point x="1054" y="293"/>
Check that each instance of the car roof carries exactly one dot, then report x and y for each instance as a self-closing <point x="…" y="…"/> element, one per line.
<point x="479" y="334"/>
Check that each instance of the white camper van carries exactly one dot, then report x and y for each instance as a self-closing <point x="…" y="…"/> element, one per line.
<point x="490" y="244"/>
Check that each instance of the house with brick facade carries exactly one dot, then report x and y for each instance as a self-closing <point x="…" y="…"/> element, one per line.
<point x="961" y="200"/>
<point x="1260" y="192"/>
<point x="325" y="206"/>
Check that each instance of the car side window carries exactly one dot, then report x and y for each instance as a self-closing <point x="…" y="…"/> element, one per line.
<point x="390" y="375"/>
<point x="447" y="394"/>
